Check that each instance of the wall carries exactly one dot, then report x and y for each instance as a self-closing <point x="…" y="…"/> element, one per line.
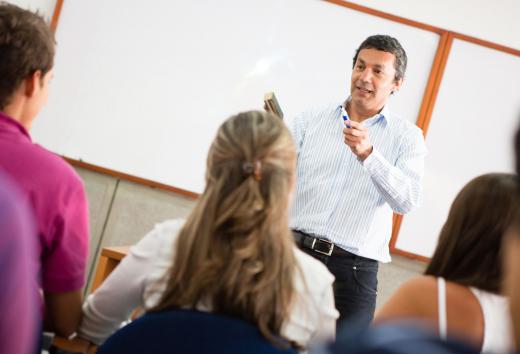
<point x="45" y="7"/>
<point x="496" y="21"/>
<point x="466" y="17"/>
<point x="122" y="212"/>
<point x="471" y="17"/>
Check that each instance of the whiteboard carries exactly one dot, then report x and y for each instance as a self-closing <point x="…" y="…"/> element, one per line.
<point x="141" y="87"/>
<point x="471" y="133"/>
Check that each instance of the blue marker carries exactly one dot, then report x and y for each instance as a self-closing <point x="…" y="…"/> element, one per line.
<point x="345" y="117"/>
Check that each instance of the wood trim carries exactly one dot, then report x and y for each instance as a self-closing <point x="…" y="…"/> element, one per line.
<point x="117" y="253"/>
<point x="488" y="44"/>
<point x="428" y="91"/>
<point x="396" y="225"/>
<point x="411" y="255"/>
<point x="104" y="267"/>
<point x="424" y="26"/>
<point x="56" y="15"/>
<point x="127" y="177"/>
<point x="108" y="261"/>
<point x="387" y="16"/>
<point x="426" y="118"/>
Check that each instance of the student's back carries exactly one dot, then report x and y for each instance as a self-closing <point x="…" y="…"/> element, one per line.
<point x="57" y="197"/>
<point x="58" y="201"/>
<point x="479" y="316"/>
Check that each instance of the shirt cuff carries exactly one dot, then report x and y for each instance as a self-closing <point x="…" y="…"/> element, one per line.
<point x="371" y="161"/>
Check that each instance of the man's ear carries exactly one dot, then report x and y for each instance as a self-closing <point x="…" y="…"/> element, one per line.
<point x="32" y="83"/>
<point x="397" y="85"/>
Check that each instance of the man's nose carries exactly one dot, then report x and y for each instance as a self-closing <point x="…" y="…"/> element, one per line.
<point x="366" y="75"/>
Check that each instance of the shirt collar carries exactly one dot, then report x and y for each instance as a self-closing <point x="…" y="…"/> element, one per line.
<point x="383" y="116"/>
<point x="13" y="127"/>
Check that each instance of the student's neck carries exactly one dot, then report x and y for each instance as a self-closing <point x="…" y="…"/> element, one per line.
<point x="358" y="114"/>
<point x="17" y="111"/>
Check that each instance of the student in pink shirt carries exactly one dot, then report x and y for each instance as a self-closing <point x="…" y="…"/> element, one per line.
<point x="53" y="189"/>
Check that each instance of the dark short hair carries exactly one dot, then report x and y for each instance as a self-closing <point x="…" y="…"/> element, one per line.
<point x="517" y="168"/>
<point x="517" y="149"/>
<point x="469" y="248"/>
<point x="387" y="44"/>
<point x="26" y="46"/>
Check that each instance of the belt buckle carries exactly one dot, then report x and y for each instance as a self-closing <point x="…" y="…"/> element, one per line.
<point x="330" y="244"/>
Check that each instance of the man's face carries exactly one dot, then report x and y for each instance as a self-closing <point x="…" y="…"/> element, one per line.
<point x="373" y="79"/>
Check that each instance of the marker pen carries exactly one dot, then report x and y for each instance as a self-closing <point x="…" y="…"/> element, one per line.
<point x="345" y="117"/>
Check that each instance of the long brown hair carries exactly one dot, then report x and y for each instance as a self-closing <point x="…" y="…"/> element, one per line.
<point x="235" y="252"/>
<point x="469" y="245"/>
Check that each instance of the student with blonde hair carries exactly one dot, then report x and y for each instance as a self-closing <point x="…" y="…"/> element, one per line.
<point x="234" y="255"/>
<point x="461" y="290"/>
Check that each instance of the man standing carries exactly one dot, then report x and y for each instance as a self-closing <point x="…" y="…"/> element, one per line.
<point x="357" y="162"/>
<point x="51" y="187"/>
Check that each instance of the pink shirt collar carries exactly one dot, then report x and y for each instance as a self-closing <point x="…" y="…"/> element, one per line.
<point x="12" y="127"/>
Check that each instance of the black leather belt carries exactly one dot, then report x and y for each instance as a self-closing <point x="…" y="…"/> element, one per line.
<point x="319" y="245"/>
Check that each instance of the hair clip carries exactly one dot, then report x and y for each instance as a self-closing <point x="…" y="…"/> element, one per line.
<point x="253" y="168"/>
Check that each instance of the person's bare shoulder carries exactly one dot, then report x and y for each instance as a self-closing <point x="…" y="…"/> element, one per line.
<point x="415" y="298"/>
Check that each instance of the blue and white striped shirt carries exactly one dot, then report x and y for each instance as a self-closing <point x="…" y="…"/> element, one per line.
<point x="345" y="200"/>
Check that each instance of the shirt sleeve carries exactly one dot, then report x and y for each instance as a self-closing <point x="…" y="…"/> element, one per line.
<point x="64" y="264"/>
<point x="297" y="128"/>
<point x="400" y="185"/>
<point x="123" y="291"/>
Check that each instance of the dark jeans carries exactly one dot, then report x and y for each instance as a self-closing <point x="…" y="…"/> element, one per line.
<point x="355" y="288"/>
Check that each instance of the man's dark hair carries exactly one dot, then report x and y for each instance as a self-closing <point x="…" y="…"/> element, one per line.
<point x="26" y="46"/>
<point x="387" y="44"/>
<point x="470" y="242"/>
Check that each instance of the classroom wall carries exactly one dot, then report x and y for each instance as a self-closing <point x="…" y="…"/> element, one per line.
<point x="121" y="213"/>
<point x="45" y="7"/>
<point x="495" y="21"/>
<point x="471" y="18"/>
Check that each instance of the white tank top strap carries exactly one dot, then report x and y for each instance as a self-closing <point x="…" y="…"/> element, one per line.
<point x="498" y="333"/>
<point x="441" y="305"/>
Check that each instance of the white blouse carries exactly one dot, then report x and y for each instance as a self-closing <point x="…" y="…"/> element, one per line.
<point x="139" y="281"/>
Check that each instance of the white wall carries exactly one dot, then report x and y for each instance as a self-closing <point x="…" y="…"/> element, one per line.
<point x="45" y="7"/>
<point x="492" y="20"/>
<point x="471" y="17"/>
